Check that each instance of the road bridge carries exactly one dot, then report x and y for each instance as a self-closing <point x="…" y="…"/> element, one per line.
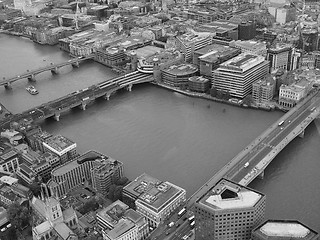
<point x="253" y="160"/>
<point x="80" y="98"/>
<point x="54" y="68"/>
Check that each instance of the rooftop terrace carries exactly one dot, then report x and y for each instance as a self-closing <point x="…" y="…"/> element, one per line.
<point x="181" y="69"/>
<point x="228" y="195"/>
<point x="59" y="144"/>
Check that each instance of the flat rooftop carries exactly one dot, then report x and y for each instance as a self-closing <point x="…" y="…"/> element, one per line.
<point x="122" y="227"/>
<point x="69" y="166"/>
<point x="141" y="184"/>
<point x="242" y="62"/>
<point x="147" y="51"/>
<point x="181" y="69"/>
<point x="198" y="79"/>
<point x="8" y="156"/>
<point x="215" y="52"/>
<point x="249" y="44"/>
<point x="127" y="44"/>
<point x="159" y="195"/>
<point x="59" y="144"/>
<point x="193" y="37"/>
<point x="163" y="56"/>
<point x="285" y="229"/>
<point x="229" y="195"/>
<point x="220" y="26"/>
<point x="113" y="213"/>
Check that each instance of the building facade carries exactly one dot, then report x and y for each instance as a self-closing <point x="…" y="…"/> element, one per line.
<point x="263" y="90"/>
<point x="279" y="57"/>
<point x="228" y="211"/>
<point x="237" y="74"/>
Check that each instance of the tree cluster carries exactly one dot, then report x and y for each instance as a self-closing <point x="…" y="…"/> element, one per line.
<point x="219" y="94"/>
<point x="18" y="215"/>
<point x="89" y="206"/>
<point x="115" y="190"/>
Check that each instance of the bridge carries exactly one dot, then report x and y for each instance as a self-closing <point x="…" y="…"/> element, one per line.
<point x="54" y="68"/>
<point x="254" y="159"/>
<point x="80" y="98"/>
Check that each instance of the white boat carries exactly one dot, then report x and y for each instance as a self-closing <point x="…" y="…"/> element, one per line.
<point x="32" y="90"/>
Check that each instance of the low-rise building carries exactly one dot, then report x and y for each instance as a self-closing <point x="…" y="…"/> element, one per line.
<point x="61" y="146"/>
<point x="228" y="211"/>
<point x="250" y="47"/>
<point x="155" y="199"/>
<point x="290" y="95"/>
<point x="9" y="161"/>
<point x="285" y="230"/>
<point x="178" y="75"/>
<point x="263" y="90"/>
<point x="199" y="84"/>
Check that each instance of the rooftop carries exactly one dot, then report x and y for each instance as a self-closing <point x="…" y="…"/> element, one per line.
<point x="229" y="195"/>
<point x="42" y="228"/>
<point x="242" y="62"/>
<point x="59" y="144"/>
<point x="214" y="52"/>
<point x="181" y="69"/>
<point x="141" y="184"/>
<point x="198" y="79"/>
<point x="220" y="26"/>
<point x="69" y="166"/>
<point x="113" y="213"/>
<point x="249" y="44"/>
<point x="133" y="215"/>
<point x="147" y="51"/>
<point x="127" y="44"/>
<point x="285" y="229"/>
<point x="159" y="195"/>
<point x="188" y="38"/>
<point x="63" y="230"/>
<point x="8" y="156"/>
<point x="123" y="226"/>
<point x="8" y="180"/>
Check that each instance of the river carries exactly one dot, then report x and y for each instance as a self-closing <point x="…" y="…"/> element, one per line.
<point x="165" y="134"/>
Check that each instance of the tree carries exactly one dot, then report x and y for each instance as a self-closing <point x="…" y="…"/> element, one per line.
<point x="112" y="189"/>
<point x="122" y="181"/>
<point x="35" y="188"/>
<point x="219" y="94"/>
<point x="115" y="192"/>
<point x="247" y="100"/>
<point x="89" y="206"/>
<point x="18" y="215"/>
<point x="213" y="92"/>
<point x="11" y="234"/>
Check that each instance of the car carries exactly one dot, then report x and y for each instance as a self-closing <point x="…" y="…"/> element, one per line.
<point x="3" y="229"/>
<point x="281" y="128"/>
<point x="9" y="225"/>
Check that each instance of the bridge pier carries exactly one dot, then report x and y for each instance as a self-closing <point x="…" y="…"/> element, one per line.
<point x="107" y="96"/>
<point x="57" y="117"/>
<point x="75" y="64"/>
<point x="83" y="106"/>
<point x="8" y="86"/>
<point x="129" y="87"/>
<point x="261" y="175"/>
<point x="32" y="78"/>
<point x="301" y="135"/>
<point x="54" y="70"/>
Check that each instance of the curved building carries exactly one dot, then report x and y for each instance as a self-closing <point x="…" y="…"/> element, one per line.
<point x="178" y="75"/>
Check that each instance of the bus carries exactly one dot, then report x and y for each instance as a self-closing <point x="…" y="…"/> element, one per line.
<point x="181" y="212"/>
<point x="191" y="218"/>
<point x="192" y="225"/>
<point x="280" y="123"/>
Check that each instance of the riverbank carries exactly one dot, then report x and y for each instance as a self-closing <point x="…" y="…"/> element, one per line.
<point x="4" y="113"/>
<point x="209" y="97"/>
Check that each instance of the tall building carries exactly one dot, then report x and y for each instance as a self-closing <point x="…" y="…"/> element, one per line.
<point x="237" y="74"/>
<point x="72" y="174"/>
<point x="105" y="171"/>
<point x="263" y="90"/>
<point x="61" y="146"/>
<point x="228" y="211"/>
<point x="154" y="199"/>
<point x="247" y="30"/>
<point x="190" y="42"/>
<point x="284" y="230"/>
<point x="279" y="56"/>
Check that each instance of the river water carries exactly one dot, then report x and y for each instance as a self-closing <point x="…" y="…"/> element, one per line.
<point x="165" y="134"/>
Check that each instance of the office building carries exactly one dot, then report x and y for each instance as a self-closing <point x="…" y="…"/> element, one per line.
<point x="263" y="90"/>
<point x="228" y="211"/>
<point x="61" y="146"/>
<point x="247" y="30"/>
<point x="178" y="75"/>
<point x="9" y="161"/>
<point x="290" y="95"/>
<point x="70" y="175"/>
<point x="105" y="171"/>
<point x="284" y="230"/>
<point x="209" y="57"/>
<point x="316" y="55"/>
<point x="118" y="222"/>
<point x="279" y="56"/>
<point x="155" y="199"/>
<point x="199" y="84"/>
<point x="250" y="47"/>
<point x="221" y="29"/>
<point x="237" y="74"/>
<point x="190" y="42"/>
<point x="37" y="139"/>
